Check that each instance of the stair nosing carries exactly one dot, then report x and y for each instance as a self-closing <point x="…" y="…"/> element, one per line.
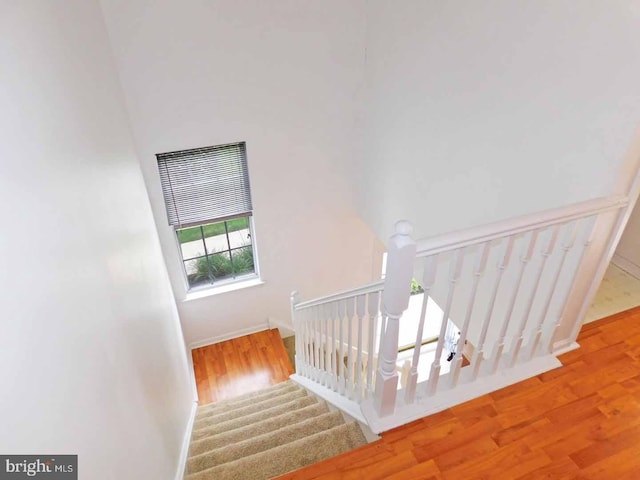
<point x="222" y="404"/>
<point x="334" y="418"/>
<point x="346" y="426"/>
<point x="196" y="433"/>
<point x="317" y="408"/>
<point x="248" y="409"/>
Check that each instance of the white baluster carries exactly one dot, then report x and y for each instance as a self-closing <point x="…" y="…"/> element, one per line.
<point x="316" y="344"/>
<point x="380" y="331"/>
<point x="519" y="338"/>
<point x="524" y="261"/>
<point x="308" y="343"/>
<point x="360" y="312"/>
<point x="327" y="346"/>
<point x="554" y="284"/>
<point x="428" y="278"/>
<point x="313" y="319"/>
<point x="405" y="371"/>
<point x="324" y="331"/>
<point x="334" y="350"/>
<point x="350" y="359"/>
<point x="479" y="269"/>
<point x="454" y="274"/>
<point x="566" y="247"/>
<point x="341" y="376"/>
<point x="479" y="353"/>
<point x="374" y="314"/>
<point x="302" y="342"/>
<point x="397" y="287"/>
<point x="296" y="328"/>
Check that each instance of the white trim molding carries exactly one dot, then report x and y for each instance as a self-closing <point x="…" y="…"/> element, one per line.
<point x="626" y="265"/>
<point x="228" y="336"/>
<point x="286" y="329"/>
<point x="186" y="441"/>
<point x="253" y="281"/>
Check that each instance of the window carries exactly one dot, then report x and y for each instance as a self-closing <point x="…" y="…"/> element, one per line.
<point x="208" y="200"/>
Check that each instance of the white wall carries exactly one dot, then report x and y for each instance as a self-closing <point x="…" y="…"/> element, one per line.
<point x="480" y="111"/>
<point x="627" y="254"/>
<point x="282" y="76"/>
<point x="92" y="360"/>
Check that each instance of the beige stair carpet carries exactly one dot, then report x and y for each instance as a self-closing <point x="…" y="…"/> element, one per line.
<point x="266" y="434"/>
<point x="290" y="347"/>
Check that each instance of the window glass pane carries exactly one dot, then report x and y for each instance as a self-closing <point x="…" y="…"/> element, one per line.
<point x="213" y="229"/>
<point x="216" y="237"/>
<point x="192" y="249"/>
<point x="191" y="244"/>
<point x="243" y="260"/>
<point x="220" y="265"/>
<point x="238" y="224"/>
<point x="240" y="238"/>
<point x="197" y="272"/>
<point x="217" y="243"/>
<point x="189" y="234"/>
<point x="229" y="250"/>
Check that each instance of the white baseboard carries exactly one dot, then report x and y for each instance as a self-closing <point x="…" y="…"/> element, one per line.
<point x="228" y="336"/>
<point x="184" y="454"/>
<point x="192" y="376"/>
<point x="564" y="347"/>
<point x="286" y="329"/>
<point x="626" y="265"/>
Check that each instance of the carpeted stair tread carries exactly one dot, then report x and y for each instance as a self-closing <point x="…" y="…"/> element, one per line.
<point x="247" y="398"/>
<point x="258" y="406"/>
<point x="267" y="441"/>
<point x="259" y="428"/>
<point x="219" y="426"/>
<point x="288" y="457"/>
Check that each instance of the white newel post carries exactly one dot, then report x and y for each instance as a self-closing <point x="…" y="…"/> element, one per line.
<point x="401" y="255"/>
<point x="297" y="331"/>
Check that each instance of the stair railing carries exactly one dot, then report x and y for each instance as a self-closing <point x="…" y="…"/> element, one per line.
<point x="510" y="289"/>
<point x="337" y="339"/>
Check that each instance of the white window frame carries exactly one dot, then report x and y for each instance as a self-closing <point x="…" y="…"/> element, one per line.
<point x="192" y="171"/>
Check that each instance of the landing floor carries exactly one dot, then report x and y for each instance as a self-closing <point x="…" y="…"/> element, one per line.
<point x="241" y="365"/>
<point x="579" y="421"/>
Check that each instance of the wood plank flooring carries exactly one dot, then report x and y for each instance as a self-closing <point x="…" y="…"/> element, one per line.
<point x="241" y="365"/>
<point x="581" y="421"/>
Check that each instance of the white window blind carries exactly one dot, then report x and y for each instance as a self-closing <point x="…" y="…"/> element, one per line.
<point x="205" y="185"/>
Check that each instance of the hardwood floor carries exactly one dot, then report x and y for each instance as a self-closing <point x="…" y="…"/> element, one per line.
<point x="581" y="421"/>
<point x="241" y="365"/>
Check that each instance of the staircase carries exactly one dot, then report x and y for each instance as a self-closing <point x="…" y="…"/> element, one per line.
<point x="265" y="434"/>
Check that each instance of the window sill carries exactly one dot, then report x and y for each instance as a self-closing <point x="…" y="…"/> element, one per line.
<point x="229" y="287"/>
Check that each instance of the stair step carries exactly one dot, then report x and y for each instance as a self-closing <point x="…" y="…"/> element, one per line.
<point x="285" y="458"/>
<point x="258" y="428"/>
<point x="267" y="441"/>
<point x="247" y="398"/>
<point x="217" y="415"/>
<point x="217" y="426"/>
